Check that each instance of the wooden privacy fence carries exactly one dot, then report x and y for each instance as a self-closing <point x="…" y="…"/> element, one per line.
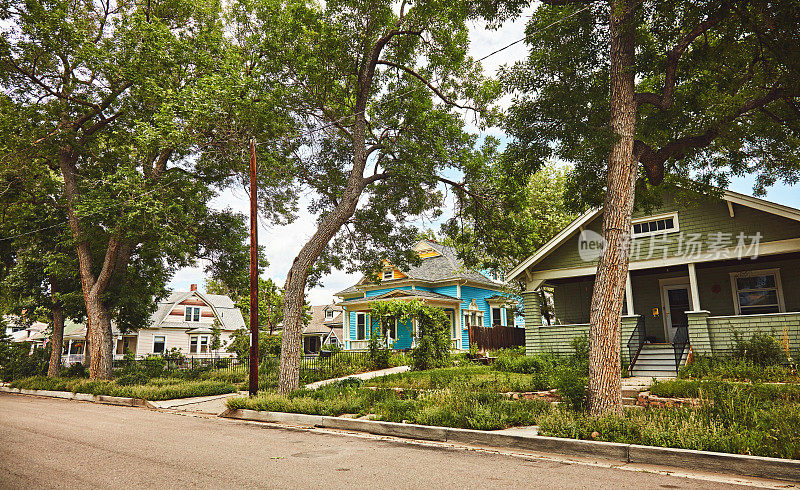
<point x="497" y="337"/>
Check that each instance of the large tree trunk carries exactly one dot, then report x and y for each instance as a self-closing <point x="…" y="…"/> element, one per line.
<point x="605" y="393"/>
<point x="295" y="287"/>
<point x="101" y="344"/>
<point x="57" y="339"/>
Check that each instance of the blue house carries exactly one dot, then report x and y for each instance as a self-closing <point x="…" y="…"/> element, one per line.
<point x="467" y="297"/>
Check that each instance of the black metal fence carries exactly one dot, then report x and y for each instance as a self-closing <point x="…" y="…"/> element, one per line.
<point x="325" y="363"/>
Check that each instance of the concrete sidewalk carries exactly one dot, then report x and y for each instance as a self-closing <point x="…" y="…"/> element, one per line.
<point x="362" y="376"/>
<point x="214" y="405"/>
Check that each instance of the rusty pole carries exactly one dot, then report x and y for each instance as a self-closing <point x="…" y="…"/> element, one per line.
<point x="253" y="272"/>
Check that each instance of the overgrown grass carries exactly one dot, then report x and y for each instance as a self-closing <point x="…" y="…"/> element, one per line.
<point x="155" y="389"/>
<point x="459" y="405"/>
<point x="738" y="370"/>
<point x="738" y="418"/>
<point x="745" y="418"/>
<point x="759" y="392"/>
<point x="477" y="377"/>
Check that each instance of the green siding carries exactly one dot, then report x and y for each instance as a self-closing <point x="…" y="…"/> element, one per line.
<point x="704" y="216"/>
<point x="721" y="330"/>
<point x="557" y="338"/>
<point x="647" y="295"/>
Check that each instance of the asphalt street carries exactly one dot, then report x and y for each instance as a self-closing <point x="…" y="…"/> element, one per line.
<point x="50" y="443"/>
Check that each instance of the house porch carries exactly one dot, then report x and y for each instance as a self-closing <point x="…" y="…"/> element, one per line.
<point x="704" y="304"/>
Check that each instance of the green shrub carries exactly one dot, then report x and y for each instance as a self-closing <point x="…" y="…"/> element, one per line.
<point x="18" y="361"/>
<point x="572" y="387"/>
<point x="77" y="370"/>
<point x="761" y="350"/>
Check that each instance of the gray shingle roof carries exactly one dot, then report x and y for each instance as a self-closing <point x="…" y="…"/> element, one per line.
<point x="405" y="292"/>
<point x="446" y="266"/>
<point x="319" y="324"/>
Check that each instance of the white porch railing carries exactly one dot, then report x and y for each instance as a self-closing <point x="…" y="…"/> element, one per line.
<point x="359" y="344"/>
<point x="70" y="359"/>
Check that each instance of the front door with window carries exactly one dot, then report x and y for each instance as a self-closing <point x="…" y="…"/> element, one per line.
<point x="676" y="304"/>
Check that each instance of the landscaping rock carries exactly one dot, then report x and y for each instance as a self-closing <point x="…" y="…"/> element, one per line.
<point x="645" y="399"/>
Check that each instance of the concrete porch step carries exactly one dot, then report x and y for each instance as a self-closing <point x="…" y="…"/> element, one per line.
<point x="656" y="374"/>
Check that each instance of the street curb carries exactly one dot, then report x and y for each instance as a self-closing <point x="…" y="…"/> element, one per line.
<point x="758" y="466"/>
<point x="84" y="397"/>
<point x="755" y="466"/>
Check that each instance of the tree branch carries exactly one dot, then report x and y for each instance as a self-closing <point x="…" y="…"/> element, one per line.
<point x="376" y="177"/>
<point x="427" y="83"/>
<point x="653" y="160"/>
<point x="664" y="100"/>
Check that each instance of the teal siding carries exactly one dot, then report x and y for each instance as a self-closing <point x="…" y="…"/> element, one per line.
<point x="404" y="329"/>
<point x="404" y="334"/>
<point x="469" y="293"/>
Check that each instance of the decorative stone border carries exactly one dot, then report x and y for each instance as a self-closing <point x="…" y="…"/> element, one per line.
<point x="757" y="466"/>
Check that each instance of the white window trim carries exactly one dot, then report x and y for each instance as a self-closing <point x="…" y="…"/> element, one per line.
<point x="778" y="285"/>
<point x="390" y="273"/>
<point x="191" y="317"/>
<point x="366" y="325"/>
<point x="491" y="314"/>
<point x="164" y="342"/>
<point x="656" y="217"/>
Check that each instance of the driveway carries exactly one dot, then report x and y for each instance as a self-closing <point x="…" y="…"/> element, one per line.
<point x="50" y="443"/>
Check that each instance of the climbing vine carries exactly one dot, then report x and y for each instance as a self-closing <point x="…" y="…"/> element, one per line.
<point x="433" y="331"/>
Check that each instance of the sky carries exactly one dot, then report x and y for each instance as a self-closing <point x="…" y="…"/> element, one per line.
<point x="282" y="243"/>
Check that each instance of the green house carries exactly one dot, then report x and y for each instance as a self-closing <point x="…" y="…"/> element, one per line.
<point x="702" y="269"/>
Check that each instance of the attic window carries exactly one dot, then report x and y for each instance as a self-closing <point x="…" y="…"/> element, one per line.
<point x="652" y="225"/>
<point x="328" y="314"/>
<point x="388" y="274"/>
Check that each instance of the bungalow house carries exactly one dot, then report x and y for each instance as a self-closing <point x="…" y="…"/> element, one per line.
<point x="183" y="320"/>
<point x="467" y="297"/>
<point x="702" y="270"/>
<point x="325" y="328"/>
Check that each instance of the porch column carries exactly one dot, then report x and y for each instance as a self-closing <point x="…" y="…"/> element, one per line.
<point x="533" y="321"/>
<point x="629" y="295"/>
<point x="346" y="328"/>
<point x="694" y="290"/>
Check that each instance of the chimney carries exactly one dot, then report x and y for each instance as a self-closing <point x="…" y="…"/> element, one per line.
<point x="193" y="287"/>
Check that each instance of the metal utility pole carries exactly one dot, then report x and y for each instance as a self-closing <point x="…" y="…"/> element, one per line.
<point x="253" y="272"/>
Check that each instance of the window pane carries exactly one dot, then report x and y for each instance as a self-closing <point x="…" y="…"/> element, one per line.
<point x="756" y="282"/>
<point x="158" y="345"/>
<point x="193" y="345"/>
<point x="758" y="298"/>
<point x="661" y="224"/>
<point x="197" y="314"/>
<point x="637" y="228"/>
<point x="187" y="314"/>
<point x="496" y="316"/>
<point x="759" y="310"/>
<point x="669" y="223"/>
